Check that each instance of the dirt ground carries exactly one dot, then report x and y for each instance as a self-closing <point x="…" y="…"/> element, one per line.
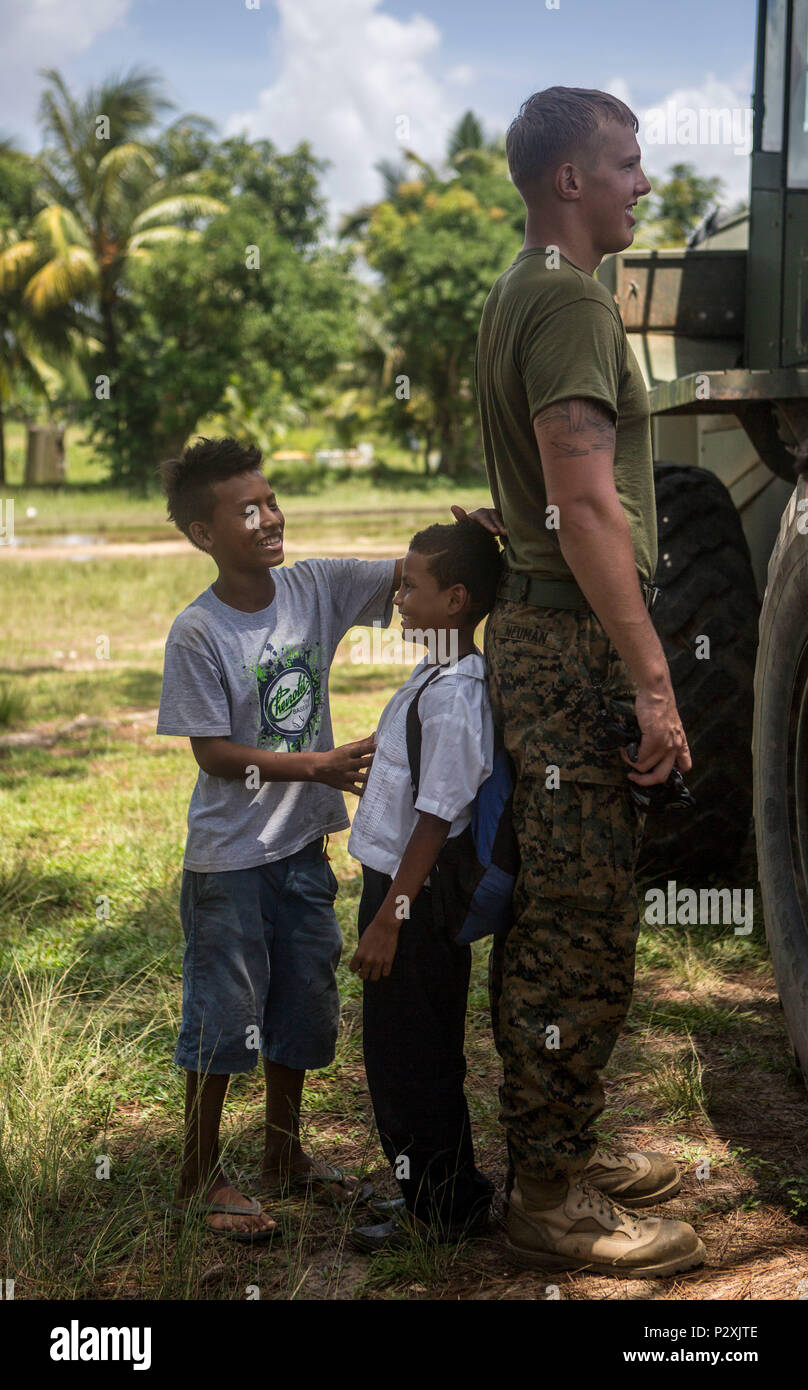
<point x="756" y="1250"/>
<point x="750" y="1209"/>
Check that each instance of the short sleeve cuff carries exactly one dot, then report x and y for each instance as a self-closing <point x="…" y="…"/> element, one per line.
<point x="442" y="809"/>
<point x="173" y="732"/>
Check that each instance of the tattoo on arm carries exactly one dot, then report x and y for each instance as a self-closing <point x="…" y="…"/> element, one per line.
<point x="579" y="427"/>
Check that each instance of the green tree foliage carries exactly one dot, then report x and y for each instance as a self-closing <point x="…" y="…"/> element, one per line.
<point x="237" y="321"/>
<point x="19" y="181"/>
<point x="286" y="183"/>
<point x="467" y="135"/>
<point x="437" y="241"/>
<point x="39" y="352"/>
<point x="674" y="207"/>
<point x="190" y="268"/>
<point x="107" y="201"/>
<point x="72" y="219"/>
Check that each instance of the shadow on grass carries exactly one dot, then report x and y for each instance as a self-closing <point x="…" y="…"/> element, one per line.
<point x="16" y="671"/>
<point x="763" y="1123"/>
<point x="24" y="887"/>
<point x="106" y="951"/>
<point x="711" y="1020"/>
<point x="139" y="686"/>
<point x="113" y="950"/>
<point x="40" y="760"/>
<point x="738" y="1077"/>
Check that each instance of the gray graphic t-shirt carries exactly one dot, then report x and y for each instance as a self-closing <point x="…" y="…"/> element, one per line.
<point x="262" y="680"/>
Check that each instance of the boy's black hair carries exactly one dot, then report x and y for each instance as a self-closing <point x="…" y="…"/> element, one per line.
<point x="463" y="552"/>
<point x="187" y="480"/>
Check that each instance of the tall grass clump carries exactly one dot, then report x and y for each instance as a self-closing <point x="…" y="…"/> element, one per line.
<point x="64" y="1061"/>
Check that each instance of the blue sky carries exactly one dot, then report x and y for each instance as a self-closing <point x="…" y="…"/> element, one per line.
<point x="341" y="72"/>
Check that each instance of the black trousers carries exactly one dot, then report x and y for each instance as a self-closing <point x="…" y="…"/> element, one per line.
<point x="413" y="1033"/>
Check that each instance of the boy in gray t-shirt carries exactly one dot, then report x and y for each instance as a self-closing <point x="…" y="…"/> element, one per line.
<point x="246" y="680"/>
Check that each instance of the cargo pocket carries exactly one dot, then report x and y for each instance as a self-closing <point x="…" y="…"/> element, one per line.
<point x="594" y="845"/>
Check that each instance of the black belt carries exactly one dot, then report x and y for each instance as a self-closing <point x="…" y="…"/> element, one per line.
<point x="558" y="593"/>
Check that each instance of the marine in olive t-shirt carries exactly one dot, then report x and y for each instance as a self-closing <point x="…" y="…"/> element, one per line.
<point x="550" y="332"/>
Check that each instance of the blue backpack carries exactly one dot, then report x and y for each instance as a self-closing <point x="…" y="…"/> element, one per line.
<point x="473" y="880"/>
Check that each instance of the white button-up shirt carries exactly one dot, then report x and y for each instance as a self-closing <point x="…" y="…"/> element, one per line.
<point x="457" y="754"/>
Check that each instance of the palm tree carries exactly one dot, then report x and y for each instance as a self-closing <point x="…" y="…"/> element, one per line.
<point x="38" y="352"/>
<point x="43" y="354"/>
<point x="104" y="200"/>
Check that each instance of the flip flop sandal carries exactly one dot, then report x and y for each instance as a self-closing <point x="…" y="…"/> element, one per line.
<point x="318" y="1184"/>
<point x="256" y="1237"/>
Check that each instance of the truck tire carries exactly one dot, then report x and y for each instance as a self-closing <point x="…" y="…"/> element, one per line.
<point x="708" y="590"/>
<point x="780" y="755"/>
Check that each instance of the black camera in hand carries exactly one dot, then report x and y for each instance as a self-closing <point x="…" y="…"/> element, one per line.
<point x="618" y="728"/>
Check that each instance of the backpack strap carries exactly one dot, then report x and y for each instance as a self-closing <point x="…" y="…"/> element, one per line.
<point x="414" y="734"/>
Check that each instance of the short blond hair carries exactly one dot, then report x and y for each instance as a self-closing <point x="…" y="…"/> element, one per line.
<point x="555" y="124"/>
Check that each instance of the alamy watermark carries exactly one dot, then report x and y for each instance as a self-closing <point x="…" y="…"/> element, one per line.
<point x="77" y="1343"/>
<point x="384" y="647"/>
<point x="685" y="907"/>
<point x="703" y="125"/>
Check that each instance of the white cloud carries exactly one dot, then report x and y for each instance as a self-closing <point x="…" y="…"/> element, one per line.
<point x="57" y="23"/>
<point x="618" y="87"/>
<point x="461" y="75"/>
<point x="348" y="75"/>
<point x="708" y="126"/>
<point x="40" y="34"/>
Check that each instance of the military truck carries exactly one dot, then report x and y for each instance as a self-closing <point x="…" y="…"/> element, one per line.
<point x="720" y="329"/>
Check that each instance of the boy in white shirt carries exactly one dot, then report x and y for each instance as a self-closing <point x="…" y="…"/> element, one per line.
<point x="416" y="978"/>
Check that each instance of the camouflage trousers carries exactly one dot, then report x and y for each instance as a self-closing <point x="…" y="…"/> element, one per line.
<point x="561" y="979"/>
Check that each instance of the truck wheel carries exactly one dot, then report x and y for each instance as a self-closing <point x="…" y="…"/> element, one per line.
<point x="708" y="590"/>
<point x="780" y="751"/>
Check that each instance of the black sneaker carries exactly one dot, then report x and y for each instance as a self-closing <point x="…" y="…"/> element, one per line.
<point x="386" y="1235"/>
<point x="398" y="1232"/>
<point x="386" y="1207"/>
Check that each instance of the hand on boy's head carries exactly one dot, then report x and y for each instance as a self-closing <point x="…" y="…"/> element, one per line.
<point x="488" y="517"/>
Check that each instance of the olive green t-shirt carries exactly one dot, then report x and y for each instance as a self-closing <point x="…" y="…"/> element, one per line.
<point x="550" y="334"/>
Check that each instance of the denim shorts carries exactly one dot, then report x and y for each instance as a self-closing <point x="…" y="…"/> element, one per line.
<point x="262" y="947"/>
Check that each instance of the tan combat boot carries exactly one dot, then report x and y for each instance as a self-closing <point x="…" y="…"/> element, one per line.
<point x="550" y="1228"/>
<point x="633" y="1179"/>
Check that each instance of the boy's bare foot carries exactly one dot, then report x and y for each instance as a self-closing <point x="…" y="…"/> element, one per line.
<point x="302" y="1172"/>
<point x="220" y="1194"/>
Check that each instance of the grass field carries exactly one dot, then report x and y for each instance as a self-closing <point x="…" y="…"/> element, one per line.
<point x="93" y="808"/>
<point x="331" y="505"/>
